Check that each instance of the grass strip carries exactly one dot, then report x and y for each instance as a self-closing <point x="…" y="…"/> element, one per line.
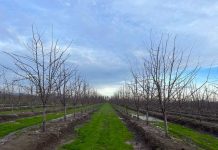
<point x="8" y="127"/>
<point x="105" y="131"/>
<point x="203" y="140"/>
<point x="36" y="109"/>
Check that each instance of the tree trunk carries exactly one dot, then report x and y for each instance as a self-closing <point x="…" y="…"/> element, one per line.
<point x="165" y="124"/>
<point x="147" y="117"/>
<point x="85" y="108"/>
<point x="180" y="109"/>
<point x="126" y="109"/>
<point x="74" y="110"/>
<point x="44" y="118"/>
<point x="12" y="107"/>
<point x="81" y="108"/>
<point x="31" y="106"/>
<point x="137" y="113"/>
<point x="65" y="112"/>
<point x="180" y="112"/>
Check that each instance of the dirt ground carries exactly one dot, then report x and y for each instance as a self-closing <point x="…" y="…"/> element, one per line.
<point x="59" y="132"/>
<point x="148" y="137"/>
<point x="138" y="142"/>
<point x="11" y="117"/>
<point x="34" y="139"/>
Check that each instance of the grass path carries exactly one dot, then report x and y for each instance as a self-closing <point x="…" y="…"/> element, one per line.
<point x="36" y="109"/>
<point x="203" y="140"/>
<point x="8" y="127"/>
<point x="6" y="112"/>
<point x="105" y="131"/>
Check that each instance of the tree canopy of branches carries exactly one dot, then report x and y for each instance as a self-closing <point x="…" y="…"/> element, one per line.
<point x="41" y="66"/>
<point x="165" y="76"/>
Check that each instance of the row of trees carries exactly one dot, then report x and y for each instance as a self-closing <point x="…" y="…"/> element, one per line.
<point x="43" y="69"/>
<point x="166" y="82"/>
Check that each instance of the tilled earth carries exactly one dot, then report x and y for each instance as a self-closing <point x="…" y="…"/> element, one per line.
<point x="148" y="137"/>
<point x="35" y="139"/>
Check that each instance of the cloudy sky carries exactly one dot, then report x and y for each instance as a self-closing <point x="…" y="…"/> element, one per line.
<point x="107" y="33"/>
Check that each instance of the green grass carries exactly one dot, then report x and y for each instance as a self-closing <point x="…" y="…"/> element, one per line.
<point x="202" y="140"/>
<point x="37" y="109"/>
<point x="8" y="127"/>
<point x="20" y="111"/>
<point x="105" y="131"/>
<point x="205" y="141"/>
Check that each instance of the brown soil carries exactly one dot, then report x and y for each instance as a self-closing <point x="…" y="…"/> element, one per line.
<point x="11" y="117"/>
<point x="152" y="137"/>
<point x="138" y="142"/>
<point x="35" y="139"/>
<point x="201" y="126"/>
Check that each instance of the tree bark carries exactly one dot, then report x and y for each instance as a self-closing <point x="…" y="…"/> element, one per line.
<point x="44" y="118"/>
<point x="65" y="112"/>
<point x="137" y="113"/>
<point x="165" y="124"/>
<point x="147" y="117"/>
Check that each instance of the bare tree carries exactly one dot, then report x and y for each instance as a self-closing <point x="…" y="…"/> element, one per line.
<point x="33" y="96"/>
<point x="61" y="85"/>
<point x="9" y="90"/>
<point x="169" y="71"/>
<point x="148" y="92"/>
<point x="134" y="86"/>
<point x="41" y="66"/>
<point x="77" y="91"/>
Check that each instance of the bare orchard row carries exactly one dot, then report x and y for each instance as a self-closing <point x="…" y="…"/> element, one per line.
<point x="43" y="75"/>
<point x="165" y="81"/>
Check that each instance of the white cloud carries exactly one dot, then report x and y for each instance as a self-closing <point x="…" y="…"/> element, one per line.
<point x="89" y="56"/>
<point x="108" y="32"/>
<point x="108" y="90"/>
